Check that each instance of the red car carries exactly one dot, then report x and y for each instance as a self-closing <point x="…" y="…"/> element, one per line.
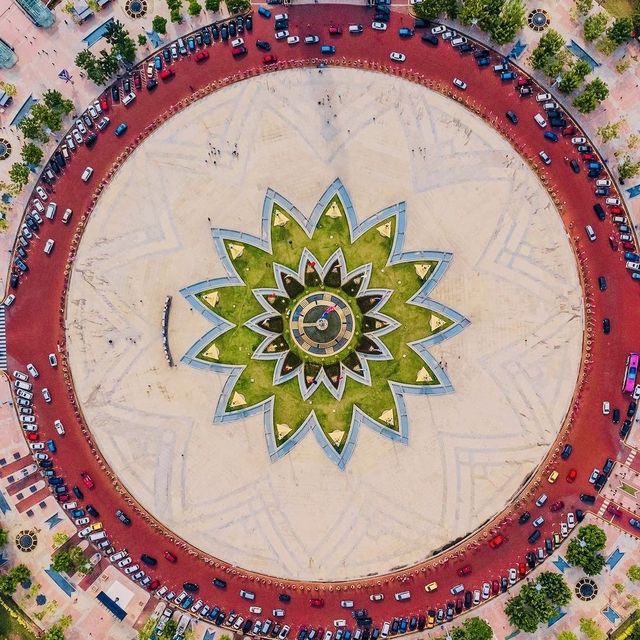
<point x="104" y="102"/>
<point x="523" y="82"/>
<point x="201" y="56"/>
<point x="316" y="602"/>
<point x="170" y="557"/>
<point x="613" y="243"/>
<point x="569" y="131"/>
<point x="238" y="51"/>
<point x="589" y="157"/>
<point x="614" y="511"/>
<point x="335" y="31"/>
<point x="628" y="246"/>
<point x="137" y="82"/>
<point x="464" y="571"/>
<point x="616" y="210"/>
<point x="34" y="437"/>
<point x="86" y="478"/>
<point x="556" y="506"/>
<point x="269" y="58"/>
<point x="167" y="73"/>
<point x="522" y="569"/>
<point x="571" y="476"/>
<point x="494" y="543"/>
<point x="495" y="586"/>
<point x="62" y="497"/>
<point x="153" y="585"/>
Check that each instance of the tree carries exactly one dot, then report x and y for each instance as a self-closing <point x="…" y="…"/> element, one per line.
<point x="635" y="633"/>
<point x="594" y="26"/>
<point x="4" y="535"/>
<point x="55" y="101"/>
<point x="582" y="68"/>
<point x="9" y="89"/>
<point x="584" y="550"/>
<point x="56" y="631"/>
<point x="194" y="8"/>
<point x="569" y="82"/>
<point x="551" y="42"/>
<point x="610" y="131"/>
<point x="606" y="46"/>
<point x="471" y="11"/>
<point x="629" y="169"/>
<point x="600" y="90"/>
<point x="68" y="560"/>
<point x="31" y="154"/>
<point x="238" y="6"/>
<point x="621" y="30"/>
<point x="586" y="102"/>
<point x="634" y="570"/>
<point x="510" y="21"/>
<point x="108" y="63"/>
<point x="146" y="631"/>
<point x="591" y="629"/>
<point x="159" y="25"/>
<point x="59" y="539"/>
<point x="476" y="629"/>
<point x="142" y="40"/>
<point x="212" y="5"/>
<point x="555" y="588"/>
<point x="175" y="15"/>
<point x="32" y="129"/>
<point x="427" y="9"/>
<point x="554" y="65"/>
<point x="169" y="630"/>
<point x="583" y="6"/>
<point x="19" y="173"/>
<point x="567" y="635"/>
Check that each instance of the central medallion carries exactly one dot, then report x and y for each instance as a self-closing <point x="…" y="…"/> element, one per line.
<point x="322" y="324"/>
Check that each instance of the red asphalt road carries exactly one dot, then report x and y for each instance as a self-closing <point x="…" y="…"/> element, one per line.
<point x="34" y="327"/>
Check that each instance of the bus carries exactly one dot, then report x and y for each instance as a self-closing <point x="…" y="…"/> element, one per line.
<point x="630" y="373"/>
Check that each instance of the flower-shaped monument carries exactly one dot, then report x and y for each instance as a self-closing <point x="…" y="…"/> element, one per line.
<point x="323" y="324"/>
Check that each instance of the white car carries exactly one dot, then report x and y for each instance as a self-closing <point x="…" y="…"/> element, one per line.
<point x="38" y="205"/>
<point x="398" y="57"/>
<point x="447" y="35"/>
<point x="256" y="610"/>
<point x="36" y="446"/>
<point x="92" y="111"/>
<point x="86" y="174"/>
<point x="132" y="568"/>
<point x="41" y="456"/>
<point x="293" y="40"/>
<point x="513" y="575"/>
<point x="51" y="211"/>
<point x="278" y="613"/>
<point x="613" y="201"/>
<point x="238" y="42"/>
<point x="197" y="606"/>
<point x="439" y="29"/>
<point x="486" y="590"/>
<point x="118" y="556"/>
<point x="80" y="521"/>
<point x="544" y="157"/>
<point x="68" y="506"/>
<point x="564" y="529"/>
<point x="174" y="51"/>
<point x="124" y="562"/>
<point x="33" y="428"/>
<point x="9" y="300"/>
<point x="459" y="83"/>
<point x="80" y="126"/>
<point x="46" y="395"/>
<point x="636" y="392"/>
<point x="578" y="140"/>
<point x="379" y="26"/>
<point x="594" y="476"/>
<point x="32" y="370"/>
<point x="571" y="520"/>
<point x="42" y="193"/>
<point x="311" y="39"/>
<point x="281" y="16"/>
<point x="606" y="408"/>
<point x="376" y="597"/>
<point x="543" y="97"/>
<point x="97" y="107"/>
<point x="48" y="246"/>
<point x="150" y="69"/>
<point x="77" y="136"/>
<point x="59" y="427"/>
<point x="36" y="215"/>
<point x="70" y="143"/>
<point x="18" y="375"/>
<point x="53" y="361"/>
<point x="104" y="123"/>
<point x="281" y="35"/>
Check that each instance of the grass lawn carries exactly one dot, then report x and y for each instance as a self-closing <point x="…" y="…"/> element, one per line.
<point x="10" y="629"/>
<point x="619" y="8"/>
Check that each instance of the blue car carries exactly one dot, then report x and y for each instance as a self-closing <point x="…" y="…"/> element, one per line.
<point x="206" y="36"/>
<point x="631" y="257"/>
<point x="77" y="513"/>
<point x="157" y="63"/>
<point x="549" y="135"/>
<point x="507" y="75"/>
<point x="56" y="481"/>
<point x="121" y="128"/>
<point x="327" y="48"/>
<point x="51" y="445"/>
<point x="191" y="43"/>
<point x="264" y="12"/>
<point x="187" y="602"/>
<point x="166" y="54"/>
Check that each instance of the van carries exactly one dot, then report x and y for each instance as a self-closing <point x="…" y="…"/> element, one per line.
<point x="540" y="120"/>
<point x="385" y="630"/>
<point x="128" y="99"/>
<point x="99" y="535"/>
<point x="48" y="246"/>
<point x="591" y="234"/>
<point x="327" y="48"/>
<point x="247" y="595"/>
<point x="355" y="28"/>
<point x="66" y="216"/>
<point x="346" y="604"/>
<point x="51" y="210"/>
<point x="403" y="595"/>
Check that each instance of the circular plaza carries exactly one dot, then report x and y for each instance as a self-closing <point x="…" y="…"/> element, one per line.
<point x="372" y="295"/>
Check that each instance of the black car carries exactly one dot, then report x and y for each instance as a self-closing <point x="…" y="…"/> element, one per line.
<point x="481" y="53"/>
<point x="220" y="619"/>
<point x="215" y="32"/>
<point x="206" y="36"/>
<point x="115" y="93"/>
<point x="240" y="24"/>
<point x="512" y="117"/>
<point x="606" y="326"/>
<point x="278" y="25"/>
<point x="548" y="545"/>
<point x="152" y="83"/>
<point x="218" y="582"/>
<point x="224" y="32"/>
<point x="602" y="283"/>
<point x="263" y="45"/>
<point x="413" y="623"/>
<point x="587" y="498"/>
<point x="566" y="452"/>
<point x="534" y="536"/>
<point x="78" y="493"/>
<point x="166" y="54"/>
<point x="59" y="159"/>
<point x="531" y="560"/>
<point x="248" y="23"/>
<point x="31" y="223"/>
<point x="626" y="428"/>
<point x="579" y="515"/>
<point x="615" y="416"/>
<point x="126" y="85"/>
<point x="148" y="560"/>
<point x="21" y="265"/>
<point x="599" y="211"/>
<point x="465" y="48"/>
<point x="54" y="165"/>
<point x="246" y="627"/>
<point x="584" y="148"/>
<point x="22" y="253"/>
<point x="558" y="123"/>
<point x="92" y="511"/>
<point x="601" y="480"/>
<point x="366" y="632"/>
<point x="395" y="625"/>
<point x="419" y="23"/>
<point x="232" y="29"/>
<point x="602" y="191"/>
<point x="575" y="166"/>
<point x="199" y="40"/>
<point x="608" y="465"/>
<point x="504" y="584"/>
<point x="422" y="623"/>
<point x="468" y="599"/>
<point x="359" y="613"/>
<point x="45" y="464"/>
<point x="191" y="587"/>
<point x="429" y="38"/>
<point x="284" y="597"/>
<point x="123" y="517"/>
<point x="276" y="630"/>
<point x="90" y="140"/>
<point x="524" y="517"/>
<point x="633" y="406"/>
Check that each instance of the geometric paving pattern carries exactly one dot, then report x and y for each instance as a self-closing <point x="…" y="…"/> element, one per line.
<point x="466" y="192"/>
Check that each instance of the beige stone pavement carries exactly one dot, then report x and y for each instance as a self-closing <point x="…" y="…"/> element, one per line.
<point x="154" y="425"/>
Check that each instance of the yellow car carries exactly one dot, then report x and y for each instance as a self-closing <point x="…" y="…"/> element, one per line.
<point x="432" y="586"/>
<point x="553" y="477"/>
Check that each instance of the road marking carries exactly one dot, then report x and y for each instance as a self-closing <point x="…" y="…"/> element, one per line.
<point x="630" y="457"/>
<point x="603" y="508"/>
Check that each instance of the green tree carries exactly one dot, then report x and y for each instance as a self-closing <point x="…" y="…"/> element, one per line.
<point x="633" y="573"/>
<point x="476" y="629"/>
<point x="238" y="6"/>
<point x="594" y="26"/>
<point x="551" y="42"/>
<point x="146" y="631"/>
<point x="569" y="81"/>
<point x="56" y="631"/>
<point x="510" y="21"/>
<point x="471" y="11"/>
<point x="59" y="539"/>
<point x="582" y="69"/>
<point x="600" y="91"/>
<point x="635" y="633"/>
<point x="159" y="25"/>
<point x="584" y="550"/>
<point x="586" y="102"/>
<point x="108" y="63"/>
<point x="175" y="15"/>
<point x="583" y="6"/>
<point x="629" y="169"/>
<point x="606" y="46"/>
<point x="610" y="131"/>
<point x="567" y="635"/>
<point x="142" y="40"/>
<point x="32" y="129"/>
<point x="4" y="535"/>
<point x="19" y="173"/>
<point x="8" y="88"/>
<point x="554" y="65"/>
<point x="591" y="629"/>
<point x="20" y="573"/>
<point x="194" y="8"/>
<point x="620" y="31"/>
<point x="55" y="101"/>
<point x="31" y="154"/>
<point x="68" y="560"/>
<point x="635" y="16"/>
<point x="169" y="630"/>
<point x="555" y="588"/>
